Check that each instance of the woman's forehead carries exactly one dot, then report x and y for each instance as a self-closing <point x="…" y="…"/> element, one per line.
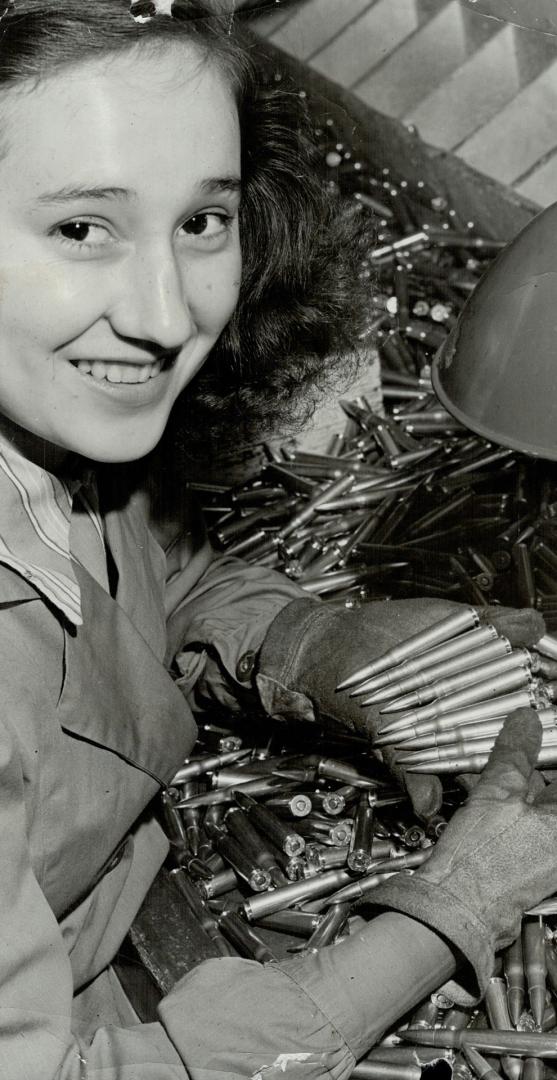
<point x="159" y="112"/>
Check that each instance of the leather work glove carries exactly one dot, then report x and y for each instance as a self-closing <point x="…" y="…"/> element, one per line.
<point x="496" y="858"/>
<point x="311" y="647"/>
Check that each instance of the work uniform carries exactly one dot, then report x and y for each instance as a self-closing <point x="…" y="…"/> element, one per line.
<point x="92" y="727"/>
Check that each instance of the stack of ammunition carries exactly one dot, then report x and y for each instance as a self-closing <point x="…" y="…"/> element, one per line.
<point x="276" y="851"/>
<point x="444" y="694"/>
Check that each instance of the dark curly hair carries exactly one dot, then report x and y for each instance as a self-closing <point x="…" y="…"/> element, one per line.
<point x="302" y="305"/>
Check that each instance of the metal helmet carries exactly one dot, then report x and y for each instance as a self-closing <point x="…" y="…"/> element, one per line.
<point x="497" y="370"/>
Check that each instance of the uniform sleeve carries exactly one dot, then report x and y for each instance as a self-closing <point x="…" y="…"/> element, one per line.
<point x="218" y="609"/>
<point x="36" y="986"/>
<point x="307" y="1017"/>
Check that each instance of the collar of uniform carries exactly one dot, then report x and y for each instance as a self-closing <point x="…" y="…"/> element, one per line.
<point x="35" y="527"/>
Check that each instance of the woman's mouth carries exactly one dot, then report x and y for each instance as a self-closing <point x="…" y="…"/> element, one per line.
<point x="119" y="371"/>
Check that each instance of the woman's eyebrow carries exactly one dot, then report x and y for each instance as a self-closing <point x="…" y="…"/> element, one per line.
<point x="71" y="194"/>
<point x="231" y="184"/>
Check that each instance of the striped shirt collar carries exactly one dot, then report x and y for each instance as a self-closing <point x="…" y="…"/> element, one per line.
<point x="35" y="528"/>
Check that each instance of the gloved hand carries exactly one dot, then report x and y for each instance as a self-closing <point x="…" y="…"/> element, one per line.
<point x="311" y="647"/>
<point x="496" y="859"/>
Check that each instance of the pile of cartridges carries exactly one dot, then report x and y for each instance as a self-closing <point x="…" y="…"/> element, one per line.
<point x="277" y="850"/>
<point x="408" y="503"/>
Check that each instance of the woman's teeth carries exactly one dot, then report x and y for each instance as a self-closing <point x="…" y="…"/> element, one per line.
<point x="120" y="373"/>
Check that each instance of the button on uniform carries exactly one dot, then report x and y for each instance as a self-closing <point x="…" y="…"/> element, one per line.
<point x="245" y="667"/>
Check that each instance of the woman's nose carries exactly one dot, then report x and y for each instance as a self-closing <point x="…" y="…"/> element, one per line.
<point x="152" y="302"/>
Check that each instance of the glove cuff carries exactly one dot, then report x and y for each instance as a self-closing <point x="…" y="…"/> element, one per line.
<point x="283" y="673"/>
<point x="443" y="911"/>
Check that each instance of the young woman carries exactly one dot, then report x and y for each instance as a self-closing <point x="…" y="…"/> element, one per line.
<point x="138" y="164"/>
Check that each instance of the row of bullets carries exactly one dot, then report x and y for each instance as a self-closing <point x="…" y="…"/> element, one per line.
<point x="276" y="850"/>
<point x="444" y="694"/>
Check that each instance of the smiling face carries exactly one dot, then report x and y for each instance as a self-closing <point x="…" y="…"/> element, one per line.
<point x="119" y="248"/>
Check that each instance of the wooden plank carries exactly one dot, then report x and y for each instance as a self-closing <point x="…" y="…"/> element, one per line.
<point x="520" y="134"/>
<point x="498" y="212"/>
<point x="315" y="24"/>
<point x="471" y="96"/>
<point x="421" y="62"/>
<point x="367" y="41"/>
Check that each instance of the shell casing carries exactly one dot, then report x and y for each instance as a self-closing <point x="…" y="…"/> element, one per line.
<point x="497" y="1008"/>
<point x="328" y="927"/>
<point x="533" y="949"/>
<point x="378" y="872"/>
<point x="224" y="881"/>
<point x="524" y="575"/>
<point x="244" y="939"/>
<point x="426" y="1015"/>
<point x="289" y="921"/>
<point x="259" y="786"/>
<point x="474" y="754"/>
<point x="385" y="1070"/>
<point x="295" y="867"/>
<point x="547" y="646"/>
<point x="341" y="579"/>
<point x="337" y="832"/>
<point x="455" y="1019"/>
<point x="518" y="676"/>
<point x="516" y="1043"/>
<point x="298" y="891"/>
<point x="459" y="680"/>
<point x="330" y="769"/>
<point x="229" y="777"/>
<point x="483" y="654"/>
<point x="331" y="803"/>
<point x="204" y="917"/>
<point x="298" y="805"/>
<point x="331" y="491"/>
<point x="484" y="710"/>
<point x="481" y="729"/>
<point x="271" y="826"/>
<point x="324" y="857"/>
<point x="482" y="1068"/>
<point x="411" y="835"/>
<point x="456" y="503"/>
<point x="551" y="965"/>
<point x="361" y="840"/>
<point x="174" y="824"/>
<point x="472" y="639"/>
<point x="289" y="480"/>
<point x="461" y="1069"/>
<point x="191" y="769"/>
<point x="417" y="643"/>
<point x="408" y="1055"/>
<point x="533" y="1069"/>
<point x="241" y="828"/>
<point x="233" y="853"/>
<point x="355" y="891"/>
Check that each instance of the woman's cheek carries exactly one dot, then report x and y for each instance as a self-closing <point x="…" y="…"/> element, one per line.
<point x="50" y="299"/>
<point x="217" y="291"/>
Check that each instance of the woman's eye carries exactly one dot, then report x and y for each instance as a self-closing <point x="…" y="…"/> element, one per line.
<point x="209" y="225"/>
<point x="84" y="234"/>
